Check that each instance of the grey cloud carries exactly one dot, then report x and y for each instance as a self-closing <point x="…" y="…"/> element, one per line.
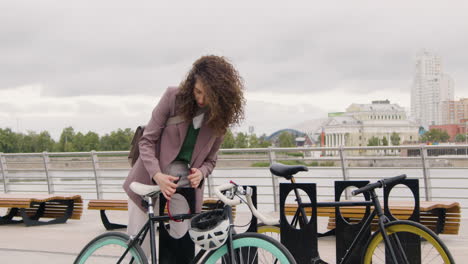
<point x="113" y="48"/>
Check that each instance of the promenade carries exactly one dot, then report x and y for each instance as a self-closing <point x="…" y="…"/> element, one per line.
<point x="60" y="243"/>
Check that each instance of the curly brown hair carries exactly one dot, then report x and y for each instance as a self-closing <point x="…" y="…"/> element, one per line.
<point x="224" y="89"/>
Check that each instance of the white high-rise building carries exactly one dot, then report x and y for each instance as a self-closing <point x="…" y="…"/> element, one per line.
<point x="431" y="86"/>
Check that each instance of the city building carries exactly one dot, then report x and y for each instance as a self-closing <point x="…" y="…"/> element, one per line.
<point x="361" y="122"/>
<point x="431" y="86"/>
<point x="452" y="130"/>
<point x="452" y="112"/>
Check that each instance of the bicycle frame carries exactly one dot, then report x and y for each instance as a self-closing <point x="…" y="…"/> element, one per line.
<point x="378" y="211"/>
<point x="149" y="225"/>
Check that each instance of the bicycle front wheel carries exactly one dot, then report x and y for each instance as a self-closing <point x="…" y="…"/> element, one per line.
<point x="431" y="249"/>
<point x="109" y="248"/>
<point x="252" y="248"/>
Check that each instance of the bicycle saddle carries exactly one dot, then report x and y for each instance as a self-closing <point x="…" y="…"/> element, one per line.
<point x="286" y="171"/>
<point x="144" y="189"/>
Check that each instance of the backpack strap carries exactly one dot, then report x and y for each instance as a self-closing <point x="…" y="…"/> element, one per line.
<point x="175" y="120"/>
<point x="134" y="150"/>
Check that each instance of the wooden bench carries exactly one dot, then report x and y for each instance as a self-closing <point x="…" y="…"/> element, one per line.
<point x="439" y="216"/>
<point x="121" y="205"/>
<point x="32" y="207"/>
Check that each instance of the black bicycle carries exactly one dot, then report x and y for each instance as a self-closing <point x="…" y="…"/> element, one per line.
<point x="384" y="244"/>
<point x="212" y="231"/>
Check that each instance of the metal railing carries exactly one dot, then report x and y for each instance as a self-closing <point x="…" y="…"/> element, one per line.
<point x="442" y="170"/>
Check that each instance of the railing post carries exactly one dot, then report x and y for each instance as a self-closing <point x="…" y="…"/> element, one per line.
<point x="210" y="186"/>
<point x="426" y="173"/>
<point x="4" y="170"/>
<point x="50" y="184"/>
<point x="97" y="175"/>
<point x="344" y="168"/>
<point x="274" y="179"/>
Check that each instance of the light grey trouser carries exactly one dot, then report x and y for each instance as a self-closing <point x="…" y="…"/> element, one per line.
<point x="137" y="218"/>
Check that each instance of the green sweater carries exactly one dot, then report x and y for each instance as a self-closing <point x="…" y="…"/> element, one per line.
<point x="186" y="151"/>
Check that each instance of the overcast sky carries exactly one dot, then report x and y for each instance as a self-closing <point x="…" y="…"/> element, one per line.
<point x="102" y="65"/>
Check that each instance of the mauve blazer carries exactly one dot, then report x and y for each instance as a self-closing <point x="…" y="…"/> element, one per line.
<point x="160" y="145"/>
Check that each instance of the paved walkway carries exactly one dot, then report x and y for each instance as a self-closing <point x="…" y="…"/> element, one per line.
<point x="61" y="243"/>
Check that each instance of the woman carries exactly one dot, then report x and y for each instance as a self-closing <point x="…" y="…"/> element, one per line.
<point x="207" y="102"/>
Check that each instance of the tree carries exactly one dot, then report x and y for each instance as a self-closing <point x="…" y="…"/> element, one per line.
<point x="117" y="140"/>
<point x="8" y="141"/>
<point x="286" y="140"/>
<point x="435" y="135"/>
<point x="78" y="142"/>
<point x="263" y="141"/>
<point x="253" y="141"/>
<point x="460" y="138"/>
<point x="373" y="141"/>
<point x="384" y="141"/>
<point x="395" y="139"/>
<point x="228" y="141"/>
<point x="91" y="141"/>
<point x="29" y="142"/>
<point x="45" y="142"/>
<point x="66" y="140"/>
<point x="241" y="140"/>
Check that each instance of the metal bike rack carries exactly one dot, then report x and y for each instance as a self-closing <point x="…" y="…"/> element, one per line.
<point x="410" y="242"/>
<point x="345" y="231"/>
<point x="184" y="245"/>
<point x="302" y="242"/>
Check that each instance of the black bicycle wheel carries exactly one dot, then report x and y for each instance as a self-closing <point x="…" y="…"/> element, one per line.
<point x="108" y="248"/>
<point x="424" y="246"/>
<point x="252" y="248"/>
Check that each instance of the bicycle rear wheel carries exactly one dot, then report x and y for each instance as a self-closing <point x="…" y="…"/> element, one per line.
<point x="432" y="249"/>
<point x="273" y="231"/>
<point x="108" y="248"/>
<point x="252" y="248"/>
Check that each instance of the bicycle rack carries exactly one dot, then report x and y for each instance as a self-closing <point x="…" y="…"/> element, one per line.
<point x="345" y="231"/>
<point x="302" y="243"/>
<point x="411" y="243"/>
<point x="253" y="220"/>
<point x="184" y="245"/>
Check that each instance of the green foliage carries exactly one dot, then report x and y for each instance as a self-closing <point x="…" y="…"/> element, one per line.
<point x="286" y="140"/>
<point x="253" y="141"/>
<point x="8" y="141"/>
<point x="460" y="138"/>
<point x="373" y="141"/>
<point x="395" y="139"/>
<point x="241" y="140"/>
<point x="261" y="164"/>
<point x="11" y="142"/>
<point x="313" y="164"/>
<point x="327" y="164"/>
<point x="295" y="154"/>
<point x="435" y="135"/>
<point x="228" y="141"/>
<point x="384" y="141"/>
<point x="292" y="162"/>
<point x="263" y="142"/>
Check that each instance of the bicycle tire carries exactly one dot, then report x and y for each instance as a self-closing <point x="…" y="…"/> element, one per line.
<point x="273" y="231"/>
<point x="254" y="241"/>
<point x="375" y="248"/>
<point x="108" y="248"/>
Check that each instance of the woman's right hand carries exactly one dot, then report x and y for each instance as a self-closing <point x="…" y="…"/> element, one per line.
<point x="166" y="183"/>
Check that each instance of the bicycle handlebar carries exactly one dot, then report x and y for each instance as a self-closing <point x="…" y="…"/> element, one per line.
<point x="248" y="195"/>
<point x="379" y="184"/>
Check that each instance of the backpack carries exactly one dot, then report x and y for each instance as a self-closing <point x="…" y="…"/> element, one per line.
<point x="135" y="150"/>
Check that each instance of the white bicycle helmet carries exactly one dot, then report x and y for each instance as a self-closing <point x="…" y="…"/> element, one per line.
<point x="210" y="230"/>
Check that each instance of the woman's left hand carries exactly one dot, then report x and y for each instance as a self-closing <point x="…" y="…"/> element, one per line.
<point x="195" y="177"/>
